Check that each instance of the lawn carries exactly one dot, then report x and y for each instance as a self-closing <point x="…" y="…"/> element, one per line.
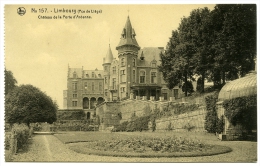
<point x="142" y="144"/>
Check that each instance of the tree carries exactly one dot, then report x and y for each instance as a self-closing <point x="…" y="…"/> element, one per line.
<point x="189" y="87"/>
<point x="27" y="104"/>
<point x="10" y="81"/>
<point x="235" y="39"/>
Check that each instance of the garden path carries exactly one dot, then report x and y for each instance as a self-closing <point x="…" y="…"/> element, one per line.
<point x="45" y="148"/>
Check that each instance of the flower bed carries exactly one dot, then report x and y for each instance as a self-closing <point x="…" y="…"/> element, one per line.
<point x="149" y="147"/>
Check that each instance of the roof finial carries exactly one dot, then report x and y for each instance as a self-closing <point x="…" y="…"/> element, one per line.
<point x="109" y="41"/>
<point x="128" y="11"/>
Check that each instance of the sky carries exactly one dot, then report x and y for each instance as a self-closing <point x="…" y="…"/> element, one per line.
<point x="38" y="51"/>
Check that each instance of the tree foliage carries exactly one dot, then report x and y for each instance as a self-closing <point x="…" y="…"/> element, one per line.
<point x="10" y="81"/>
<point x="218" y="45"/>
<point x="27" y="104"/>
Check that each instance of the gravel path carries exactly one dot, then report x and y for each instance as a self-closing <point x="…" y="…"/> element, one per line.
<point x="49" y="148"/>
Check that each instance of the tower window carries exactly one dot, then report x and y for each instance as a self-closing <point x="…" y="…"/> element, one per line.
<point x="142" y="76"/>
<point x="74" y="86"/>
<point x="134" y="63"/>
<point x="114" y="70"/>
<point x="122" y="76"/>
<point x="123" y="62"/>
<point x="133" y="75"/>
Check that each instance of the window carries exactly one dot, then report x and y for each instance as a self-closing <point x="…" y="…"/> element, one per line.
<point x="75" y="95"/>
<point x="85" y="85"/>
<point x="100" y="86"/>
<point x="74" y="86"/>
<point x="105" y="68"/>
<point x="153" y="64"/>
<point x="93" y="74"/>
<point x="114" y="70"/>
<point x="87" y="75"/>
<point x="114" y="83"/>
<point x="74" y="103"/>
<point x="105" y="80"/>
<point x="153" y="77"/>
<point x="122" y="76"/>
<point x="123" y="62"/>
<point x="134" y="62"/>
<point x="99" y="75"/>
<point x="133" y="75"/>
<point x="93" y="86"/>
<point x="74" y="75"/>
<point x="142" y="76"/>
<point x="122" y="89"/>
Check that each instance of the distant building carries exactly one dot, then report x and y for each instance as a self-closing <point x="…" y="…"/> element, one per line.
<point x="134" y="73"/>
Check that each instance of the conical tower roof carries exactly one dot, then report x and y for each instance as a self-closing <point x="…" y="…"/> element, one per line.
<point x="109" y="56"/>
<point x="128" y="35"/>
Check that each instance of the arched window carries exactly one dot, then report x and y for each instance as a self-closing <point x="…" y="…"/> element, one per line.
<point x="142" y="76"/>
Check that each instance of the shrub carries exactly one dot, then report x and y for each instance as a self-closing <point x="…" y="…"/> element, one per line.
<point x="242" y="110"/>
<point x="122" y="126"/>
<point x="7" y="141"/>
<point x="169" y="126"/>
<point x="22" y="134"/>
<point x="189" y="127"/>
<point x="211" y="116"/>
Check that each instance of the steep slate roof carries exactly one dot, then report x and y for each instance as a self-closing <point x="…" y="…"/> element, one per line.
<point x="244" y="86"/>
<point x="77" y="70"/>
<point x="109" y="57"/>
<point x="128" y="35"/>
<point x="89" y="72"/>
<point x="149" y="54"/>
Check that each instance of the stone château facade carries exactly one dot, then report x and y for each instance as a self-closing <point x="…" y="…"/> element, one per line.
<point x="134" y="74"/>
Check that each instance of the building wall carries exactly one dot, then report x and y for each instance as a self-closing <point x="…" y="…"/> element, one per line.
<point x="86" y="89"/>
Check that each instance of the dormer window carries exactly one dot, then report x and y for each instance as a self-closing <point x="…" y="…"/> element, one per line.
<point x="74" y="75"/>
<point x="142" y="56"/>
<point x="99" y="75"/>
<point x="153" y="64"/>
<point x="93" y="75"/>
<point x="87" y="76"/>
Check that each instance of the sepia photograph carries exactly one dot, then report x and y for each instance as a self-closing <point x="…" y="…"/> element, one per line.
<point x="131" y="83"/>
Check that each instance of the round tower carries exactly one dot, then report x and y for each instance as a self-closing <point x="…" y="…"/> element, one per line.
<point x="106" y="67"/>
<point x="127" y="54"/>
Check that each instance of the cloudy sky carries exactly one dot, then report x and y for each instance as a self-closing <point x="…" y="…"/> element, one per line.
<point x="38" y="51"/>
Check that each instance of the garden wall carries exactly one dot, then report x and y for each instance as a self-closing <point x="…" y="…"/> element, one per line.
<point x="194" y="121"/>
<point x="179" y="114"/>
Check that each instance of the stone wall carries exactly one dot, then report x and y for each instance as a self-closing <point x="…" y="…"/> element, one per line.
<point x="109" y="112"/>
<point x="194" y="119"/>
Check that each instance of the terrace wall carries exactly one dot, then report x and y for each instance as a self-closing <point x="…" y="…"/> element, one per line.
<point x="109" y="114"/>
